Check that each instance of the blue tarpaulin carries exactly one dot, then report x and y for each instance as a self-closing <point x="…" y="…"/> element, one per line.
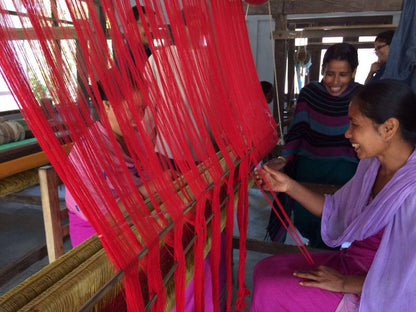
<point x="401" y="63"/>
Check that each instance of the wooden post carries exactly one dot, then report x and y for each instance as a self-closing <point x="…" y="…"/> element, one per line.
<point x="290" y="68"/>
<point x="52" y="215"/>
<point x="281" y="58"/>
<point x="315" y="68"/>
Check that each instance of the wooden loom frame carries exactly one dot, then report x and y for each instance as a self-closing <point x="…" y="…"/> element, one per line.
<point x="91" y="254"/>
<point x="87" y="261"/>
<point x="67" y="274"/>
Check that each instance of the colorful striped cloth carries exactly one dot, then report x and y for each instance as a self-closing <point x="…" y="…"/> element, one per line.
<point x="318" y="125"/>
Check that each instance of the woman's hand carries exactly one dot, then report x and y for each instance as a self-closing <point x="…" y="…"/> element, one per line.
<point x="276" y="181"/>
<point x="330" y="279"/>
<point x="280" y="182"/>
<point x="375" y="67"/>
<point x="276" y="163"/>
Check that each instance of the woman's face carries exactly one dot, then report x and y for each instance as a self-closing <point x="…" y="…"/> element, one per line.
<point x="365" y="136"/>
<point x="138" y="100"/>
<point x="382" y="51"/>
<point x="337" y="75"/>
<point x="142" y="32"/>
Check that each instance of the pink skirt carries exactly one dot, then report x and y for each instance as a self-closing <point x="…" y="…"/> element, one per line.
<point x="276" y="289"/>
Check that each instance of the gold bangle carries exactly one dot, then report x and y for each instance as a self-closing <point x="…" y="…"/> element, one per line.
<point x="284" y="159"/>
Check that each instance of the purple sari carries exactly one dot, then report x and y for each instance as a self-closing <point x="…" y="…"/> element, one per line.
<point x="383" y="233"/>
<point x="390" y="284"/>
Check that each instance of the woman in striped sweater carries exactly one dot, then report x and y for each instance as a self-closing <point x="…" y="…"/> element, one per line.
<point x="316" y="149"/>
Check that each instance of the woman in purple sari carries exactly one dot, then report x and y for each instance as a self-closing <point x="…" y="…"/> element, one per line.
<point x="375" y="210"/>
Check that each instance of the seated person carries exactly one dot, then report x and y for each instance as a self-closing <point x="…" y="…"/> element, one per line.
<point x="142" y="32"/>
<point x="375" y="210"/>
<point x="79" y="228"/>
<point x="381" y="48"/>
<point x="169" y="152"/>
<point x="315" y="148"/>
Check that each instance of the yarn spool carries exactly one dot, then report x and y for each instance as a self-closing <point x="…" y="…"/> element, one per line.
<point x="11" y="131"/>
<point x="301" y="56"/>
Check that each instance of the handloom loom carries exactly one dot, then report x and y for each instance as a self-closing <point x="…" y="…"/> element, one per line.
<point x="85" y="279"/>
<point x="203" y="99"/>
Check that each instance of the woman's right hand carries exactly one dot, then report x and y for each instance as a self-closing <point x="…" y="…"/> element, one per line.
<point x="276" y="180"/>
<point x="375" y="67"/>
<point x="276" y="163"/>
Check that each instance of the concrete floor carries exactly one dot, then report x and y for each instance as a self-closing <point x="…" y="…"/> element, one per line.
<point x="21" y="230"/>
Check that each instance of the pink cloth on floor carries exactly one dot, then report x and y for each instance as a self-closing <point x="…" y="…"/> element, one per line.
<point x="79" y="229"/>
<point x="189" y="291"/>
<point x="208" y="304"/>
<point x="276" y="289"/>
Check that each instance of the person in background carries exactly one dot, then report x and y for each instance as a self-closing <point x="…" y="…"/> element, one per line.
<point x="267" y="88"/>
<point x="120" y="54"/>
<point x="142" y="32"/>
<point x="315" y="148"/>
<point x="381" y="48"/>
<point x="375" y="210"/>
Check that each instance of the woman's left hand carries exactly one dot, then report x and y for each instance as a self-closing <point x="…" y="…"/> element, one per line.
<point x="322" y="277"/>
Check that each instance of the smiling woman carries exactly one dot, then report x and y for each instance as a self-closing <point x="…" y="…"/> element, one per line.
<point x="316" y="149"/>
<point x="375" y="211"/>
<point x="339" y="67"/>
<point x="381" y="49"/>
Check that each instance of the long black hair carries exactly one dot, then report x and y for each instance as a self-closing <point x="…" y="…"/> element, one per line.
<point x="341" y="52"/>
<point x="385" y="36"/>
<point x="388" y="98"/>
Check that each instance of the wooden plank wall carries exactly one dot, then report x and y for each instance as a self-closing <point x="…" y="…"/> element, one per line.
<point x="328" y="6"/>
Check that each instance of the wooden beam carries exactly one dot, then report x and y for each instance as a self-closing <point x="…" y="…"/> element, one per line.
<point x="319" y="20"/>
<point x="61" y="33"/>
<point x="27" y="162"/>
<point x="270" y="247"/>
<point x="332" y="31"/>
<point x="22" y="264"/>
<point x="322" y="45"/>
<point x="23" y="163"/>
<point x="319" y="6"/>
<point x="23" y="199"/>
<point x="330" y="6"/>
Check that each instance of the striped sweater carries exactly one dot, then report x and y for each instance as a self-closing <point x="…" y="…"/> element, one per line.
<point x="318" y="125"/>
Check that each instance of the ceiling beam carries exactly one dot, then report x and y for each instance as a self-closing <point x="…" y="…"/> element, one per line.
<point x="58" y="33"/>
<point x="323" y="6"/>
<point x="332" y="31"/>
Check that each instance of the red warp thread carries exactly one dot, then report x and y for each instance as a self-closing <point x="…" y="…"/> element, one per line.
<point x="196" y="97"/>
